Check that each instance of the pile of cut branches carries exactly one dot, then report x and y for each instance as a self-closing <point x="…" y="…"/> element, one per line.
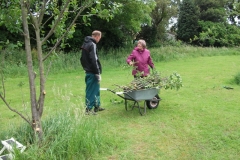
<point x="153" y="80"/>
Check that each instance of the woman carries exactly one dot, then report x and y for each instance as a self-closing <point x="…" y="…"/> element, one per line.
<point x="140" y="58"/>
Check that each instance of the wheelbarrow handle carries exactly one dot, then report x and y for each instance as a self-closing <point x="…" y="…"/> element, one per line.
<point x="106" y="89"/>
<point x="103" y="89"/>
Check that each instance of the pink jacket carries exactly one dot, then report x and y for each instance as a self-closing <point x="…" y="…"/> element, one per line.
<point x="142" y="59"/>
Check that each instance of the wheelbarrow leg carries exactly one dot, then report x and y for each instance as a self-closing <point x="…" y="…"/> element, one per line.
<point x="134" y="104"/>
<point x="126" y="104"/>
<point x="142" y="110"/>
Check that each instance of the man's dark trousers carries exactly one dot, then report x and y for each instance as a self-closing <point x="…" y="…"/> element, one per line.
<point x="92" y="91"/>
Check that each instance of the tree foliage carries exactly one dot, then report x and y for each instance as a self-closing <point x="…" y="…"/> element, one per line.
<point x="187" y="21"/>
<point x="161" y="15"/>
<point x="214" y="27"/>
<point x="133" y="19"/>
<point x="218" y="34"/>
<point x="10" y="14"/>
<point x="209" y="27"/>
<point x="122" y="29"/>
<point x="212" y="10"/>
<point x="233" y="11"/>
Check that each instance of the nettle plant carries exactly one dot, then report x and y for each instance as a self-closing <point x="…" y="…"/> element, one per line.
<point x="153" y="80"/>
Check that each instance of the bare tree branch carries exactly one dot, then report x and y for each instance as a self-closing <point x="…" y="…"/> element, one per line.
<point x="13" y="110"/>
<point x="47" y="21"/>
<point x="3" y="86"/>
<point x="42" y="12"/>
<point x="2" y="78"/>
<point x="57" y="21"/>
<point x="69" y="27"/>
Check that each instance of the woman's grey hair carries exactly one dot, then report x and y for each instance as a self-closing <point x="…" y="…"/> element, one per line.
<point x="143" y="43"/>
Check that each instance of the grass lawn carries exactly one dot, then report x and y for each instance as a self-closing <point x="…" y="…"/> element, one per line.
<point x="200" y="121"/>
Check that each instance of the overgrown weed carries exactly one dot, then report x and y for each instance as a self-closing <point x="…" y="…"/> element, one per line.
<point x="67" y="135"/>
<point x="69" y="62"/>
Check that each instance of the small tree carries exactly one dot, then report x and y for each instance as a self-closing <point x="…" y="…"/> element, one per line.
<point x="32" y="13"/>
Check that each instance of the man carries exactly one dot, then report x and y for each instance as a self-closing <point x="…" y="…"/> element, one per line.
<point x="92" y="66"/>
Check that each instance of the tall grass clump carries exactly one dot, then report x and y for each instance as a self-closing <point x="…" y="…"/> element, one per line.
<point x="14" y="70"/>
<point x="114" y="57"/>
<point x="63" y="62"/>
<point x="168" y="53"/>
<point x="237" y="79"/>
<point x="67" y="135"/>
<point x="13" y="63"/>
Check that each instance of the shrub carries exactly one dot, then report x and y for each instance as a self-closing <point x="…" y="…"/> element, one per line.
<point x="218" y="34"/>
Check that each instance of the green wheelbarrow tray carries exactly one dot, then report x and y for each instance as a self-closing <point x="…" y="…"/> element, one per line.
<point x="138" y="95"/>
<point x="149" y="96"/>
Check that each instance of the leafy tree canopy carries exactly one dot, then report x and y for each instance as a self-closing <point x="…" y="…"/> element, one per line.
<point x="187" y="21"/>
<point x="212" y="10"/>
<point x="218" y="34"/>
<point x="161" y="15"/>
<point x="233" y="11"/>
<point x="124" y="26"/>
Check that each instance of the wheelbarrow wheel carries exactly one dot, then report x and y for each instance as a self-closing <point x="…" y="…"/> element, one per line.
<point x="153" y="104"/>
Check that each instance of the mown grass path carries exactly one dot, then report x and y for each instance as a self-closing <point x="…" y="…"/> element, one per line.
<point x="200" y="121"/>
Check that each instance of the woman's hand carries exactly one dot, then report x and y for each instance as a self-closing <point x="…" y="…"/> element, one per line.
<point x="131" y="63"/>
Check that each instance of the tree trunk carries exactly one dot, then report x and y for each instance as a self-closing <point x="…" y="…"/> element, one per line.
<point x="36" y="118"/>
<point x="41" y="71"/>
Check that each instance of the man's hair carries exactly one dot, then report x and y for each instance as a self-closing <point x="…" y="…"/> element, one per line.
<point x="96" y="33"/>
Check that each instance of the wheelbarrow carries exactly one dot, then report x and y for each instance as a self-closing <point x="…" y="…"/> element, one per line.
<point x="149" y="96"/>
